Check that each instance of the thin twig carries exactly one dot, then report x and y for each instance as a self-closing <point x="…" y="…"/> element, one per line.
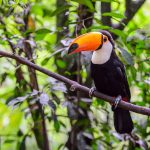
<point x="77" y="86"/>
<point x="78" y="76"/>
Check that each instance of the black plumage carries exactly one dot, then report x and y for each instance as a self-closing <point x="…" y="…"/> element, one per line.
<point x="110" y="79"/>
<point x="107" y="71"/>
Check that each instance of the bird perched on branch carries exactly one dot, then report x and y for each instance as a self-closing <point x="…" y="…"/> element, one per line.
<point x="108" y="73"/>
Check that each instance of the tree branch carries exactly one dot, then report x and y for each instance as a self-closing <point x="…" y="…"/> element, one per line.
<point x="131" y="8"/>
<point x="77" y="86"/>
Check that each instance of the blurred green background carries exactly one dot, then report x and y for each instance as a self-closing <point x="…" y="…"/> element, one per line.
<point x="41" y="30"/>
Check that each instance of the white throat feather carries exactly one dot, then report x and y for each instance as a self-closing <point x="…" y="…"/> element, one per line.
<point x="102" y="55"/>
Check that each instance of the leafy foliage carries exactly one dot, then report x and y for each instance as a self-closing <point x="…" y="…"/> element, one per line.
<point x="29" y="28"/>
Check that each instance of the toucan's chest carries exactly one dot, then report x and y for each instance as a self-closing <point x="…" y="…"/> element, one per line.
<point x="107" y="78"/>
<point x="104" y="73"/>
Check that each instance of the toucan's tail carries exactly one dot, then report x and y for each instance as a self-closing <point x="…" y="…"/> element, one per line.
<point x="122" y="121"/>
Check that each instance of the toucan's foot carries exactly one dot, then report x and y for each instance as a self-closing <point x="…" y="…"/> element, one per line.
<point x="117" y="101"/>
<point x="92" y="91"/>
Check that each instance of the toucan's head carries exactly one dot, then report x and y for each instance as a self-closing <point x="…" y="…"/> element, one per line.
<point x="92" y="41"/>
<point x="101" y="43"/>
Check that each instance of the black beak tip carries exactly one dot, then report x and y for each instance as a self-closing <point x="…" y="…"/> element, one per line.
<point x="73" y="47"/>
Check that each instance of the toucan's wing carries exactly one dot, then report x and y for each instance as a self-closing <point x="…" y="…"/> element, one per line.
<point x="121" y="74"/>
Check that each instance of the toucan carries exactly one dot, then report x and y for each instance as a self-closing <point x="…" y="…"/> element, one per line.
<point x="108" y="73"/>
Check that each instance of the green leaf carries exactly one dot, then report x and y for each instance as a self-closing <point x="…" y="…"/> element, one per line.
<point x="37" y="9"/>
<point x="22" y="145"/>
<point x="113" y="14"/>
<point x="98" y="20"/>
<point x="43" y="31"/>
<point x="24" y="1"/>
<point x="133" y="72"/>
<point x="118" y="32"/>
<point x="96" y="102"/>
<point x="100" y="27"/>
<point x="3" y="77"/>
<point x="108" y="1"/>
<point x="57" y="126"/>
<point x="60" y="146"/>
<point x="16" y="1"/>
<point x="60" y="10"/>
<point x="9" y="141"/>
<point x="45" y="61"/>
<point x="88" y="3"/>
<point x="61" y="63"/>
<point x="127" y="56"/>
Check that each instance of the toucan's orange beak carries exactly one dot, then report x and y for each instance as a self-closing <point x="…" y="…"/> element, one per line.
<point x="87" y="42"/>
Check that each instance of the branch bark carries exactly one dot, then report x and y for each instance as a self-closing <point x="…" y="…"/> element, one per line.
<point x="106" y="7"/>
<point x="77" y="86"/>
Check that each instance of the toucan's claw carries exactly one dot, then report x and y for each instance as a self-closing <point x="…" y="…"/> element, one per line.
<point x="117" y="101"/>
<point x="92" y="91"/>
<point x="73" y="88"/>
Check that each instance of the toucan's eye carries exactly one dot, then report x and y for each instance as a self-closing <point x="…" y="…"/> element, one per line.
<point x="105" y="39"/>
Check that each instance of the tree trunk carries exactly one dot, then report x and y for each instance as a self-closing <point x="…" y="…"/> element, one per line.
<point x="105" y="7"/>
<point x="39" y="129"/>
<point x="76" y="139"/>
